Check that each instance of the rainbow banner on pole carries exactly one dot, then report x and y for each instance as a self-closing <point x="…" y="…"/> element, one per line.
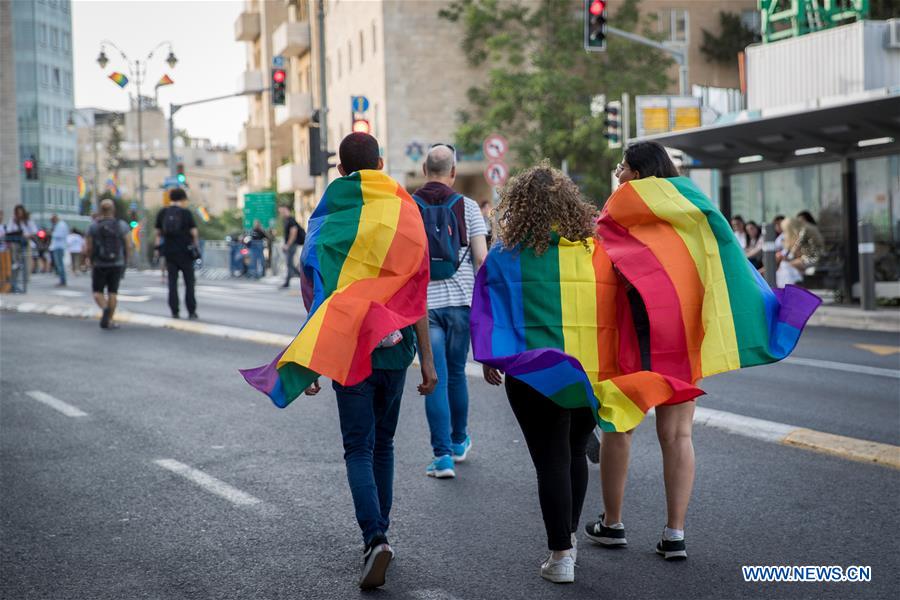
<point x="82" y="188"/>
<point x="119" y="78"/>
<point x="164" y="80"/>
<point x="367" y="259"/>
<point x="552" y="322"/>
<point x="710" y="310"/>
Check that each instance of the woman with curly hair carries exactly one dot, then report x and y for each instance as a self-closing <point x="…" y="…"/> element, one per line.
<point x="541" y="208"/>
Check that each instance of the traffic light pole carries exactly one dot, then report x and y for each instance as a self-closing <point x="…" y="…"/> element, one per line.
<point x="323" y="98"/>
<point x="174" y="108"/>
<point x="680" y="55"/>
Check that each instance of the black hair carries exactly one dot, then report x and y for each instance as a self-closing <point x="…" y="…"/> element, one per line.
<point x="650" y="159"/>
<point x="806" y="216"/>
<point x="738" y="218"/>
<point x="358" y="151"/>
<point x="758" y="230"/>
<point x="177" y="195"/>
<point x="778" y="218"/>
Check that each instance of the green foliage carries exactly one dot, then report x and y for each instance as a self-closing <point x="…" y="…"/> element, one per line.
<point x="540" y="82"/>
<point x="734" y="37"/>
<point x="114" y="146"/>
<point x="228" y="223"/>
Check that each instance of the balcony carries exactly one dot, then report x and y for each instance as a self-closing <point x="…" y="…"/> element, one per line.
<point x="250" y="80"/>
<point x="297" y="109"/>
<point x="246" y="27"/>
<point x="291" y="39"/>
<point x="294" y="177"/>
<point x="251" y="138"/>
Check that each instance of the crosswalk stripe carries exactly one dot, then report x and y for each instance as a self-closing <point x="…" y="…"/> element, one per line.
<point x="208" y="482"/>
<point x="56" y="404"/>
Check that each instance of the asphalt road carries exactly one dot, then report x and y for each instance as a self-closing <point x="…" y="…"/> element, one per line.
<point x="87" y="513"/>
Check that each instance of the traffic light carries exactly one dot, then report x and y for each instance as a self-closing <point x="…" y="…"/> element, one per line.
<point x="595" y="25"/>
<point x="133" y="218"/>
<point x="318" y="160"/>
<point x="30" y="165"/>
<point x="361" y="126"/>
<point x="279" y="83"/>
<point x="179" y="174"/>
<point x="613" y="123"/>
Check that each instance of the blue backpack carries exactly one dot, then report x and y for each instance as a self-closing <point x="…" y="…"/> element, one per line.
<point x="444" y="236"/>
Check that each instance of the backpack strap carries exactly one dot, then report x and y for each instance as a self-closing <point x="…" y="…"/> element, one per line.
<point x="419" y="201"/>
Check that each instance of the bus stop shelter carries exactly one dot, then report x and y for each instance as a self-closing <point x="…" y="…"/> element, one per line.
<point x="843" y="132"/>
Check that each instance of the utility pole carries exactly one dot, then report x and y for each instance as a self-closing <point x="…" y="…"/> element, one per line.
<point x="140" y="111"/>
<point x="680" y="55"/>
<point x="323" y="97"/>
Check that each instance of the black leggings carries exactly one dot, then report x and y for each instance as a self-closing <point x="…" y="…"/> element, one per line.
<point x="557" y="439"/>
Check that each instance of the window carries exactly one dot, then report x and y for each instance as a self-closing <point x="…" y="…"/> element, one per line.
<point x="349" y="56"/>
<point x="56" y="78"/>
<point x="54" y="37"/>
<point x="374" y="47"/>
<point x="42" y="34"/>
<point x="673" y="24"/>
<point x="362" y="48"/>
<point x="67" y="41"/>
<point x="57" y="118"/>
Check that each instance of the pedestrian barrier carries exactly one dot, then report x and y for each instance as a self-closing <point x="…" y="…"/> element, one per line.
<point x="14" y="260"/>
<point x="223" y="259"/>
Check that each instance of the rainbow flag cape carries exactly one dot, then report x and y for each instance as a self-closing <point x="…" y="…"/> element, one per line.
<point x="119" y="78"/>
<point x="710" y="311"/>
<point x="552" y="321"/>
<point x="367" y="259"/>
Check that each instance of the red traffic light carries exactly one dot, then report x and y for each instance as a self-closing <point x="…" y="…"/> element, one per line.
<point x="597" y="7"/>
<point x="278" y="75"/>
<point x="361" y="126"/>
<point x="42" y="234"/>
<point x="29" y="164"/>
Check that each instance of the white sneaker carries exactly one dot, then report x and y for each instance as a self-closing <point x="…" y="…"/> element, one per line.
<point x="559" y="571"/>
<point x="574" y="549"/>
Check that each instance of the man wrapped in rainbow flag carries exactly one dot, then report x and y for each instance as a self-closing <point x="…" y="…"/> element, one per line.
<point x="596" y="322"/>
<point x="366" y="258"/>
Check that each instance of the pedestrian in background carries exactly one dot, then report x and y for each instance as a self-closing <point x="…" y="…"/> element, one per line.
<point x="178" y="241"/>
<point x="740" y="230"/>
<point x="20" y="230"/>
<point x="456" y="240"/>
<point x="108" y="246"/>
<point x="75" y="247"/>
<point x="537" y="208"/>
<point x="754" y="249"/>
<point x="58" y="244"/>
<point x="294" y="237"/>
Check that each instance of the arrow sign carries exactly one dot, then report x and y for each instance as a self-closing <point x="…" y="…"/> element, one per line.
<point x="495" y="147"/>
<point x="496" y="174"/>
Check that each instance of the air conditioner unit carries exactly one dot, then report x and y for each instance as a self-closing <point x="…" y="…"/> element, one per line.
<point x="893" y="34"/>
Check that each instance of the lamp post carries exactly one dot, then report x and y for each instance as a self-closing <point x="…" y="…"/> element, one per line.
<point x="138" y="71"/>
<point x="70" y="125"/>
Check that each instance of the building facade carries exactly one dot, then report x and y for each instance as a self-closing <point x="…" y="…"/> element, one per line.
<point x="9" y="134"/>
<point x="44" y="100"/>
<point x="211" y="172"/>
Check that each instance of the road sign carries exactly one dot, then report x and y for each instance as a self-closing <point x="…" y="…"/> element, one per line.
<point x="278" y="62"/>
<point x="415" y="151"/>
<point x="359" y="104"/>
<point x="496" y="174"/>
<point x="259" y="205"/>
<point x="495" y="147"/>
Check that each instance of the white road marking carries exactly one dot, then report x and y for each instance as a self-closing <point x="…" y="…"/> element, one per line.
<point x="57" y="404"/>
<point x="846" y="367"/>
<point x="208" y="482"/>
<point x="127" y="298"/>
<point x="432" y="595"/>
<point x="68" y="293"/>
<point x="760" y="429"/>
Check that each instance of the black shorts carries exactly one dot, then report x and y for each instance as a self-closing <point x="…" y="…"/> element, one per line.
<point x="106" y="277"/>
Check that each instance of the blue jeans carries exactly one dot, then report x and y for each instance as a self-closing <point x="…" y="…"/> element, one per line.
<point x="368" y="413"/>
<point x="447" y="408"/>
<point x="59" y="263"/>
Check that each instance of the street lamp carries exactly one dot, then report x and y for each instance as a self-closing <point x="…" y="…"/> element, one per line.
<point x="138" y="71"/>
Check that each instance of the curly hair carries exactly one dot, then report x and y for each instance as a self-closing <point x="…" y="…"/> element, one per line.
<point x="539" y="201"/>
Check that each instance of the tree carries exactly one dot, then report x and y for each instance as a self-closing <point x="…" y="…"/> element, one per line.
<point x="114" y="146"/>
<point x="734" y="37"/>
<point x="540" y="82"/>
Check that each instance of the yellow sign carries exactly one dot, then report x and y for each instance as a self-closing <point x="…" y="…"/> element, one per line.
<point x="166" y="200"/>
<point x="656" y="120"/>
<point x="687" y="118"/>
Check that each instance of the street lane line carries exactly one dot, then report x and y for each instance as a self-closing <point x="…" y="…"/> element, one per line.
<point x="768" y="431"/>
<point x="56" y="404"/>
<point x="846" y="367"/>
<point x="208" y="482"/>
<point x="838" y="445"/>
<point x="878" y="349"/>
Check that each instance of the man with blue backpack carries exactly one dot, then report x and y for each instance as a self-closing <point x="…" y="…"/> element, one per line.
<point x="457" y="246"/>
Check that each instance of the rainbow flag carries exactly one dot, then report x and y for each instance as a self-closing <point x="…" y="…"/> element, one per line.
<point x="113" y="186"/>
<point x="82" y="188"/>
<point x="710" y="310"/>
<point x="367" y="259"/>
<point x="164" y="80"/>
<point x="552" y="321"/>
<point x="119" y="78"/>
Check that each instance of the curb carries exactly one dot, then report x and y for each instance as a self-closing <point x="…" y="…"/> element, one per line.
<point x="886" y="455"/>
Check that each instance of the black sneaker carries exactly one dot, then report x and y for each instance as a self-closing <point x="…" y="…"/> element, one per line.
<point x="599" y="533"/>
<point x="193" y="316"/>
<point x="671" y="549"/>
<point x="376" y="558"/>
<point x="104" y="320"/>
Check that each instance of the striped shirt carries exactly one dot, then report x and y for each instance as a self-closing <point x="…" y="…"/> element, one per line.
<point x="457" y="290"/>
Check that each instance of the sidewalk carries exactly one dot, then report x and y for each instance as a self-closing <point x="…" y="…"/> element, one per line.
<point x="851" y="317"/>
